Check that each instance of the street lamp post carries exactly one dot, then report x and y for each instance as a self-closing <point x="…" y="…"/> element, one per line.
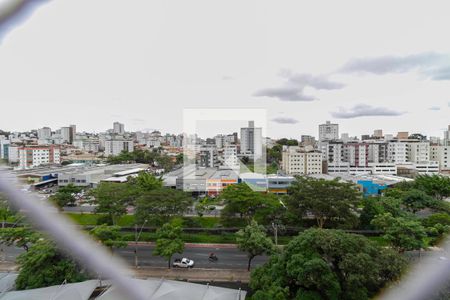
<point x="136" y="238"/>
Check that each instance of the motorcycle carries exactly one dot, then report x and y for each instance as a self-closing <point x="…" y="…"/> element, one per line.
<point x="213" y="258"/>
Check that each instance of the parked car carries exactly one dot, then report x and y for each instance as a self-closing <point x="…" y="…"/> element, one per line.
<point x="183" y="263"/>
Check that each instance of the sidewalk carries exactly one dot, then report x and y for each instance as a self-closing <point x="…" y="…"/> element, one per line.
<point x="195" y="274"/>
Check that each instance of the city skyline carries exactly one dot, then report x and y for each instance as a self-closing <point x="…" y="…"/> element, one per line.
<point x="360" y="73"/>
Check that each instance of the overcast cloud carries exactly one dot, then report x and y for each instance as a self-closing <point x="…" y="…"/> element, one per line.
<point x="363" y="110"/>
<point x="285" y="120"/>
<point x="75" y="62"/>
<point x="433" y="65"/>
<point x="294" y="85"/>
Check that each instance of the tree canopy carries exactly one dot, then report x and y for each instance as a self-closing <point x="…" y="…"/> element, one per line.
<point x="65" y="195"/>
<point x="241" y="200"/>
<point x="112" y="199"/>
<point x="327" y="264"/>
<point x="325" y="200"/>
<point x="168" y="242"/>
<point x="44" y="265"/>
<point x="401" y="232"/>
<point x="161" y="204"/>
<point x="109" y="236"/>
<point x="253" y="240"/>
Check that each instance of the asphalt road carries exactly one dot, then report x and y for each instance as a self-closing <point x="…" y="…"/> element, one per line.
<point x="229" y="258"/>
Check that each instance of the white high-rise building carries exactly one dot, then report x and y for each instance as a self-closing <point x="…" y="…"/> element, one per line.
<point x="441" y="154"/>
<point x="230" y="157"/>
<point x="397" y="152"/>
<point x="113" y="147"/>
<point x="118" y="128"/>
<point x="297" y="161"/>
<point x="418" y="152"/>
<point x="356" y="154"/>
<point x="328" y="131"/>
<point x="251" y="141"/>
<point x="67" y="135"/>
<point x="44" y="133"/>
<point x="447" y="137"/>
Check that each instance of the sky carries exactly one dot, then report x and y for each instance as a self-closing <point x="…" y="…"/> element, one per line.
<point x="364" y="65"/>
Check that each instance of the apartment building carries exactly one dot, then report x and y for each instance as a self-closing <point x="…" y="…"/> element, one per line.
<point x="441" y="154"/>
<point x="418" y="152"/>
<point x="251" y="141"/>
<point x="207" y="157"/>
<point x="118" y="128"/>
<point x="113" y="147"/>
<point x="4" y="148"/>
<point x="33" y="156"/>
<point x="356" y="154"/>
<point x="397" y="152"/>
<point x="297" y="161"/>
<point x="230" y="157"/>
<point x="328" y="131"/>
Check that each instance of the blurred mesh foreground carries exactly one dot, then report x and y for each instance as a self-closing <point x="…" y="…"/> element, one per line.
<point x="429" y="279"/>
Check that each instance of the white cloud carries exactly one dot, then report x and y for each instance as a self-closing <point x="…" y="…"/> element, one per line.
<point x="363" y="110"/>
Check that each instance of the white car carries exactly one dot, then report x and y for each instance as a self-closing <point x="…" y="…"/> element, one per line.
<point x="183" y="263"/>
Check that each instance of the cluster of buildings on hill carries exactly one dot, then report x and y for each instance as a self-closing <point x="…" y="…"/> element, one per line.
<point x="403" y="154"/>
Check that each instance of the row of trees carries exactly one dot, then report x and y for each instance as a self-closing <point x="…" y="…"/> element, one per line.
<point x="153" y="157"/>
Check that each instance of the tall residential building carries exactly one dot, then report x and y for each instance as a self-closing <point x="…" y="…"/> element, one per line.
<point x="67" y="134"/>
<point x="113" y="147"/>
<point x="4" y="148"/>
<point x="328" y="131"/>
<point x="447" y="137"/>
<point x="297" y="161"/>
<point x="33" y="156"/>
<point x="208" y="157"/>
<point x="378" y="133"/>
<point x="230" y="157"/>
<point x="356" y="154"/>
<point x="118" y="128"/>
<point x="378" y="152"/>
<point x="441" y="154"/>
<point x="44" y="133"/>
<point x="418" y="152"/>
<point x="307" y="140"/>
<point x="251" y="141"/>
<point x="397" y="152"/>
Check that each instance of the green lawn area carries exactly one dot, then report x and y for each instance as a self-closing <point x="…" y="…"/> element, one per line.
<point x="129" y="221"/>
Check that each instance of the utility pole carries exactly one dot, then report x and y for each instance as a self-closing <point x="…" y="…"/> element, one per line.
<point x="275" y="232"/>
<point x="136" y="239"/>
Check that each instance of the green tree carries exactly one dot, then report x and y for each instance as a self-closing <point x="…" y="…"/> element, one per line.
<point x="112" y="199"/>
<point x="437" y="186"/>
<point x="145" y="182"/>
<point x="324" y="199"/>
<point x="416" y="200"/>
<point x="19" y="236"/>
<point x="44" y="265"/>
<point x="161" y="204"/>
<point x="287" y="142"/>
<point x="373" y="206"/>
<point x="254" y="241"/>
<point x="65" y="195"/>
<point x="402" y="233"/>
<point x="109" y="236"/>
<point x="327" y="264"/>
<point x="168" y="242"/>
<point x="5" y="210"/>
<point x="241" y="200"/>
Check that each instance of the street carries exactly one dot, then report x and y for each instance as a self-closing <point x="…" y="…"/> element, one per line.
<point x="229" y="258"/>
